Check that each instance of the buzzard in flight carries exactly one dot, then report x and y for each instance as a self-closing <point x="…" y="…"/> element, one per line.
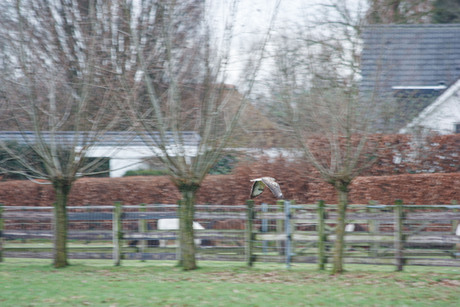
<point x="260" y="183"/>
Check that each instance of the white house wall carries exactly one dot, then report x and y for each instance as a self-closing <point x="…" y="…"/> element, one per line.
<point x="125" y="158"/>
<point x="118" y="167"/>
<point x="443" y="120"/>
<point x="121" y="152"/>
<point x="442" y="115"/>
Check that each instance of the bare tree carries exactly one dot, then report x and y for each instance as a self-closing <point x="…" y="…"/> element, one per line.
<point x="317" y="83"/>
<point x="55" y="94"/>
<point x="180" y="85"/>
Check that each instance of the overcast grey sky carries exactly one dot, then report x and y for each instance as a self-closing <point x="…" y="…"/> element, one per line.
<point x="253" y="18"/>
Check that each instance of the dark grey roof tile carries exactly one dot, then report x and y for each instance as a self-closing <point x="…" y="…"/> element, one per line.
<point x="421" y="55"/>
<point x="111" y="138"/>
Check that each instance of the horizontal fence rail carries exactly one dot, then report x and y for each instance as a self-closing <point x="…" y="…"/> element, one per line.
<point x="286" y="232"/>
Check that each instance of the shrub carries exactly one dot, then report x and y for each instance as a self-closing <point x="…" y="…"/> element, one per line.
<point x="146" y="172"/>
<point x="224" y="166"/>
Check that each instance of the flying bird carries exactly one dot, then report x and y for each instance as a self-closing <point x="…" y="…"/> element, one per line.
<point x="260" y="183"/>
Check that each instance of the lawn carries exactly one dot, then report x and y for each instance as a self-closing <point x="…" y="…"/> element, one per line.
<point x="34" y="282"/>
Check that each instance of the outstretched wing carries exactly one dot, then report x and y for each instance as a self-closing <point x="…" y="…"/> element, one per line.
<point x="273" y="186"/>
<point x="257" y="188"/>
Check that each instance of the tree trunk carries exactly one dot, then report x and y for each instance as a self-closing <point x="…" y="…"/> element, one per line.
<point x="187" y="258"/>
<point x="62" y="190"/>
<point x="342" y="190"/>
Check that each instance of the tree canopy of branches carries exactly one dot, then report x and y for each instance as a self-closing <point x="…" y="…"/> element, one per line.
<point x="316" y="82"/>
<point x="55" y="94"/>
<point x="180" y="85"/>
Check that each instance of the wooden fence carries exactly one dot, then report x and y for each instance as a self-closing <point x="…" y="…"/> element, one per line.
<point x="376" y="234"/>
<point x="121" y="232"/>
<point x="395" y="234"/>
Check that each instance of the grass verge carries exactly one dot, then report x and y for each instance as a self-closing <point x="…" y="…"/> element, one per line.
<point x="34" y="282"/>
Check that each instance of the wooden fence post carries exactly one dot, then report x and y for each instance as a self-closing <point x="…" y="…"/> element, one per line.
<point x="1" y="232"/>
<point x="280" y="228"/>
<point x="398" y="232"/>
<point x="264" y="228"/>
<point x="142" y="225"/>
<point x="373" y="230"/>
<point x="455" y="226"/>
<point x="249" y="232"/>
<point x="321" y="235"/>
<point x="288" y="232"/>
<point x="292" y="224"/>
<point x="117" y="233"/>
<point x="454" y="222"/>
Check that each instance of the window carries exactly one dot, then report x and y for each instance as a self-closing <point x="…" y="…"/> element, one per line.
<point x="457" y="128"/>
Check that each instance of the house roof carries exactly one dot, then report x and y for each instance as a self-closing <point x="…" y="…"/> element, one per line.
<point x="410" y="56"/>
<point x="407" y="67"/>
<point x="111" y="138"/>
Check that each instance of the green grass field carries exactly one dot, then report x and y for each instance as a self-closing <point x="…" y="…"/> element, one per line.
<point x="34" y="282"/>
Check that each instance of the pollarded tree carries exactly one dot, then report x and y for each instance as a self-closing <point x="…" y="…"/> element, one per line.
<point x="54" y="95"/>
<point x="316" y="81"/>
<point x="180" y="85"/>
